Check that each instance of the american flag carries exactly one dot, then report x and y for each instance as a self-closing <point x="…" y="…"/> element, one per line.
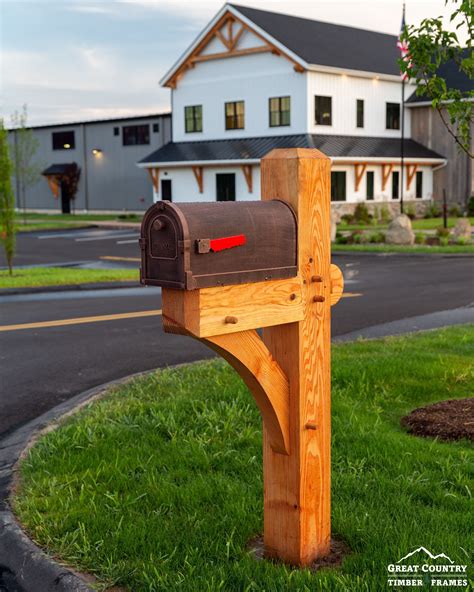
<point x="403" y="47"/>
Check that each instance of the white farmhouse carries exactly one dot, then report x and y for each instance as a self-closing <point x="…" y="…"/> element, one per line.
<point x="255" y="80"/>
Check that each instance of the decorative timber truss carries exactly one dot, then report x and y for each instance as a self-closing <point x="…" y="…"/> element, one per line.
<point x="229" y="31"/>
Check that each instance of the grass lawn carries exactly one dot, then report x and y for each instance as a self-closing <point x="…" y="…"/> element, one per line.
<point x="158" y="487"/>
<point x="383" y="248"/>
<point x="45" y="221"/>
<point x="422" y="224"/>
<point x="58" y="276"/>
<point x="34" y="226"/>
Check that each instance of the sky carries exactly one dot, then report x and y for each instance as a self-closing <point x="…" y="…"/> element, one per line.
<point x="76" y="60"/>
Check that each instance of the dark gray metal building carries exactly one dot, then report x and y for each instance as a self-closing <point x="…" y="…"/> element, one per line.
<point x="106" y="152"/>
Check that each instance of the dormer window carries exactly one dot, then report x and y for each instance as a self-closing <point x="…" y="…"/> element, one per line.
<point x="323" y="110"/>
<point x="235" y="115"/>
<point x="193" y="119"/>
<point x="279" y="111"/>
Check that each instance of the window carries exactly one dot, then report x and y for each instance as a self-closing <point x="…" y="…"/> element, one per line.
<point x="338" y="186"/>
<point x="369" y="185"/>
<point x="360" y="112"/>
<point x="135" y="135"/>
<point x="419" y="184"/>
<point x="393" y="116"/>
<point x="193" y="119"/>
<point x="395" y="184"/>
<point x="63" y="140"/>
<point x="116" y="131"/>
<point x="323" y="110"/>
<point x="225" y="187"/>
<point x="166" y="190"/>
<point x="279" y="111"/>
<point x="156" y="128"/>
<point x="235" y="115"/>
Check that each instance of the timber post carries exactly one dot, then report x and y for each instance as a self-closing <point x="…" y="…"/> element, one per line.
<point x="271" y="269"/>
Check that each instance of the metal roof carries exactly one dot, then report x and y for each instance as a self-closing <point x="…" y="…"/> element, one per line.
<point x="454" y="77"/>
<point x="256" y="148"/>
<point x="327" y="44"/>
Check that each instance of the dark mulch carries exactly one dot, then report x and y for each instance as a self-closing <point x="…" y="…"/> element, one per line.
<point x="339" y="550"/>
<point x="447" y="420"/>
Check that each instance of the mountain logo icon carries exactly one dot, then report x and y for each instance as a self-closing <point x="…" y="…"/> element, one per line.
<point x="430" y="555"/>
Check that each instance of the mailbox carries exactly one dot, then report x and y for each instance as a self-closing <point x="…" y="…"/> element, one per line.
<point x="199" y="245"/>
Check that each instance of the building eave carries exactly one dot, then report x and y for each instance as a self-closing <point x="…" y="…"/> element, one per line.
<point x="355" y="73"/>
<point x="191" y="163"/>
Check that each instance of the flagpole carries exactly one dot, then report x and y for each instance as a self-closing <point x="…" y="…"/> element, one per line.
<point x="402" y="147"/>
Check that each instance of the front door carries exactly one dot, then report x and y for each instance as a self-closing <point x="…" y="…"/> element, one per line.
<point x="225" y="187"/>
<point x="166" y="189"/>
<point x="65" y="198"/>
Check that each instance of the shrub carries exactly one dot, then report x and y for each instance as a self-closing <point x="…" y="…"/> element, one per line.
<point x="442" y="232"/>
<point x="420" y="238"/>
<point x="347" y="218"/>
<point x="470" y="206"/>
<point x="341" y="240"/>
<point x="377" y="237"/>
<point x="384" y="215"/>
<point x="355" y="237"/>
<point x="444" y="241"/>
<point x="362" y="214"/>
<point x="462" y="240"/>
<point x="455" y="211"/>
<point x="433" y="211"/>
<point x="410" y="211"/>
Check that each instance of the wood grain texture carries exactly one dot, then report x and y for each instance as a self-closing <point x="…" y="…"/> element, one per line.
<point x="337" y="284"/>
<point x="249" y="356"/>
<point x="203" y="312"/>
<point x="297" y="486"/>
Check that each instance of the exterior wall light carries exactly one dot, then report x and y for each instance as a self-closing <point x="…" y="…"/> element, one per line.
<point x="97" y="152"/>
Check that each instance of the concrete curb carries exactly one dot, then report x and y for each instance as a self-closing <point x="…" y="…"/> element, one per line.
<point x="397" y="254"/>
<point x="20" y="557"/>
<point x="70" y="288"/>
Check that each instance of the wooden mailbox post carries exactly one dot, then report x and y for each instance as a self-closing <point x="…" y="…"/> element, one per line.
<point x="288" y="370"/>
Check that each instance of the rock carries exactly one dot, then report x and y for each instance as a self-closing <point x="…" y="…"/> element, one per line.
<point x="400" y="231"/>
<point x="463" y="229"/>
<point x="334" y="221"/>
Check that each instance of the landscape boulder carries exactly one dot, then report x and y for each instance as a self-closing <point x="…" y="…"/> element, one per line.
<point x="400" y="231"/>
<point x="463" y="229"/>
<point x="334" y="221"/>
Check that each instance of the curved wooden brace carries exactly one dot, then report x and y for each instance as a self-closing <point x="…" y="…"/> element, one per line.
<point x="337" y="284"/>
<point x="249" y="356"/>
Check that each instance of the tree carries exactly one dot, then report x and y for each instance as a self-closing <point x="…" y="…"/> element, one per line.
<point x="430" y="46"/>
<point x="7" y="200"/>
<point x="25" y="170"/>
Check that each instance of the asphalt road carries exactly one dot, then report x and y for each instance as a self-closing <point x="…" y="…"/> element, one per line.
<point x="40" y="367"/>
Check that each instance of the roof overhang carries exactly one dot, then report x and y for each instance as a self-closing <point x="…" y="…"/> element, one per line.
<point x="191" y="163"/>
<point x="356" y="73"/>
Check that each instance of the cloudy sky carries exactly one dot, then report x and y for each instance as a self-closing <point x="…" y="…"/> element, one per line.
<point x="72" y="60"/>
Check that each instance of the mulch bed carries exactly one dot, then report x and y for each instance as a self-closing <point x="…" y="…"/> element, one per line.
<point x="447" y="420"/>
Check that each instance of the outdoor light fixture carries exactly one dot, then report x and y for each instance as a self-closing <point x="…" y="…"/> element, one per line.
<point x="97" y="152"/>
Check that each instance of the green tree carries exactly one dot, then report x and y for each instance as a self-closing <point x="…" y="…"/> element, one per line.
<point x="7" y="200"/>
<point x="25" y="170"/>
<point x="429" y="47"/>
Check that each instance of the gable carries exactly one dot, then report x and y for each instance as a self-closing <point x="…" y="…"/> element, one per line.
<point x="228" y="37"/>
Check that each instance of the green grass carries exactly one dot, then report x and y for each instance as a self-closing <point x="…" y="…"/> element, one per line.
<point x="383" y="248"/>
<point x="421" y="224"/>
<point x="46" y="221"/>
<point x="34" y="226"/>
<point x="58" y="276"/>
<point x="158" y="487"/>
<point x="79" y="216"/>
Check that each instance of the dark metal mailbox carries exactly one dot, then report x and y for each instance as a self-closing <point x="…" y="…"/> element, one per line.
<point x="199" y="245"/>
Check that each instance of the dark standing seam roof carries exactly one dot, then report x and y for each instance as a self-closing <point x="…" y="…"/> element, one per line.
<point x="253" y="148"/>
<point x="326" y="44"/>
<point x="454" y="77"/>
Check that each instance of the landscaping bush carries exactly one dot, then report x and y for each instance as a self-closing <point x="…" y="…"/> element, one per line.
<point x="444" y="241"/>
<point x="377" y="237"/>
<point x="384" y="215"/>
<point x="420" y="238"/>
<point x="433" y="211"/>
<point x="470" y="206"/>
<point x="442" y="232"/>
<point x="342" y="240"/>
<point x="455" y="211"/>
<point x="410" y="211"/>
<point x="462" y="240"/>
<point x="346" y="218"/>
<point x="362" y="214"/>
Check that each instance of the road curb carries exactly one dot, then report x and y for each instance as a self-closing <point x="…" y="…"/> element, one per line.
<point x="20" y="557"/>
<point x="400" y="254"/>
<point x="70" y="288"/>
